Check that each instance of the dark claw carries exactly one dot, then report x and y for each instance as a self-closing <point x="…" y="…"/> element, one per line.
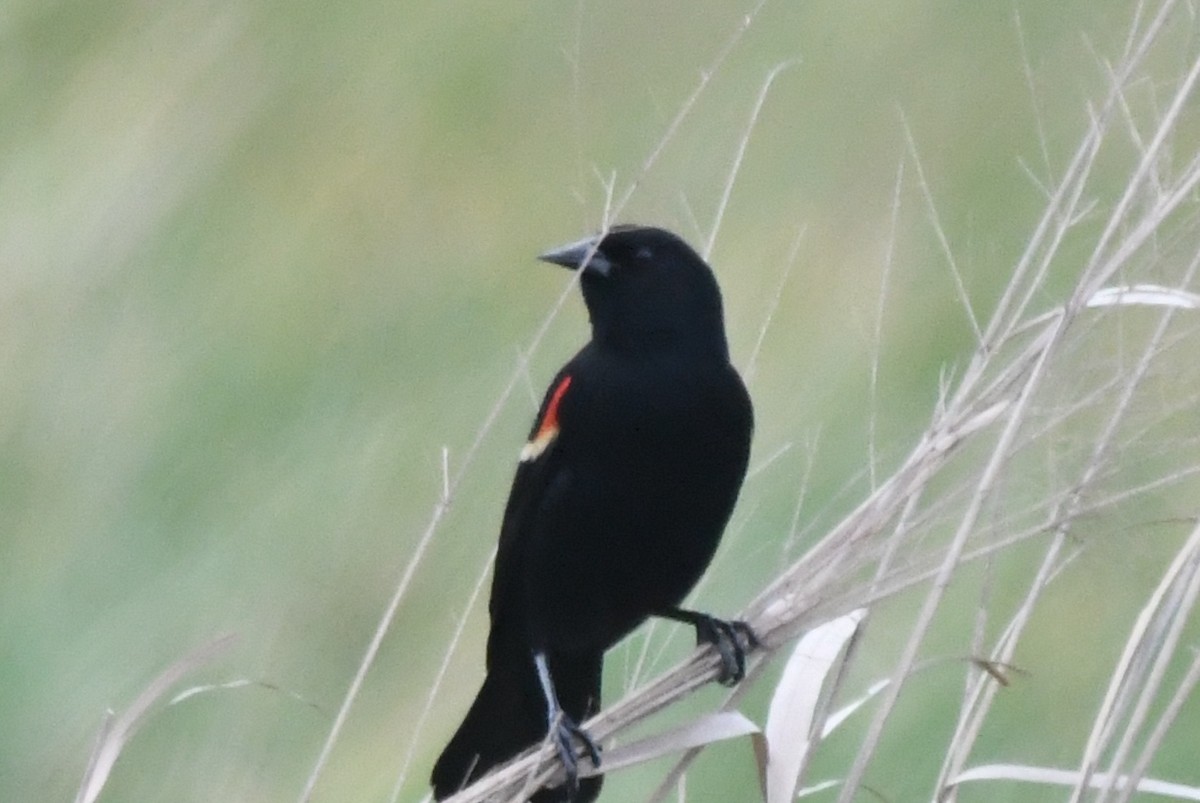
<point x="731" y="640"/>
<point x="564" y="733"/>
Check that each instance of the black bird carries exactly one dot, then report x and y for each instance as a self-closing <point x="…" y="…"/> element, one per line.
<point x="629" y="476"/>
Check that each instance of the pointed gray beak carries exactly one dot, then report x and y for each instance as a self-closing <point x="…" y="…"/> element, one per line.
<point x="573" y="255"/>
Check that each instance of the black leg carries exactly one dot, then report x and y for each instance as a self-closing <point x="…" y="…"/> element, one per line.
<point x="731" y="639"/>
<point x="564" y="731"/>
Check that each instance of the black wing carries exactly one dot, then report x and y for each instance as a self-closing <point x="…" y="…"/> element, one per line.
<point x="535" y="480"/>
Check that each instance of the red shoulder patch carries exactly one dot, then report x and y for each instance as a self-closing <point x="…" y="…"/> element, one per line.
<point x="547" y="429"/>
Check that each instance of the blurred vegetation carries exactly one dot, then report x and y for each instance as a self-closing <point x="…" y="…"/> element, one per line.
<point x="261" y="261"/>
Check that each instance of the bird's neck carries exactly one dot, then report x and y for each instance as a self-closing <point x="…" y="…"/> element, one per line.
<point x="708" y="344"/>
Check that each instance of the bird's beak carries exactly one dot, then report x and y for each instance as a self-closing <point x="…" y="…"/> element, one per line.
<point x="573" y="256"/>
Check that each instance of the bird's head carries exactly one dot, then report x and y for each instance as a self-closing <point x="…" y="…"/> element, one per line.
<point x="645" y="288"/>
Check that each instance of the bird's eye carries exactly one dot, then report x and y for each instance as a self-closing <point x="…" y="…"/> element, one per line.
<point x="644" y="253"/>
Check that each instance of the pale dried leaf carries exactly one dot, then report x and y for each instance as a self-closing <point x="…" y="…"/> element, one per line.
<point x="116" y="733"/>
<point x="817" y="787"/>
<point x="834" y="720"/>
<point x="1148" y="295"/>
<point x="209" y="687"/>
<point x="790" y="719"/>
<point x="706" y="730"/>
<point x="1049" y="776"/>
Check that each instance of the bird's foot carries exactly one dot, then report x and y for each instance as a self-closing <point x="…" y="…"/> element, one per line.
<point x="564" y="733"/>
<point x="731" y="639"/>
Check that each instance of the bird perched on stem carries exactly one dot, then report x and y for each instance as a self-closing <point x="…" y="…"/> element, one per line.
<point x="621" y="494"/>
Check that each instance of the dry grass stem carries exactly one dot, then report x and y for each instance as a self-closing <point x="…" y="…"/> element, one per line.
<point x="1029" y="381"/>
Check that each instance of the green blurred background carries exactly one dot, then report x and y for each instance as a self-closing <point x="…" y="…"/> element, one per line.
<point x="260" y="262"/>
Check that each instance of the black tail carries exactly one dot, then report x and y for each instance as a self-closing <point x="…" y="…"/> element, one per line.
<point x="509" y="715"/>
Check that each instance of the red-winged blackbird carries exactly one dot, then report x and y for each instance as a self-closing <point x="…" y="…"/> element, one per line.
<point x="629" y="476"/>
